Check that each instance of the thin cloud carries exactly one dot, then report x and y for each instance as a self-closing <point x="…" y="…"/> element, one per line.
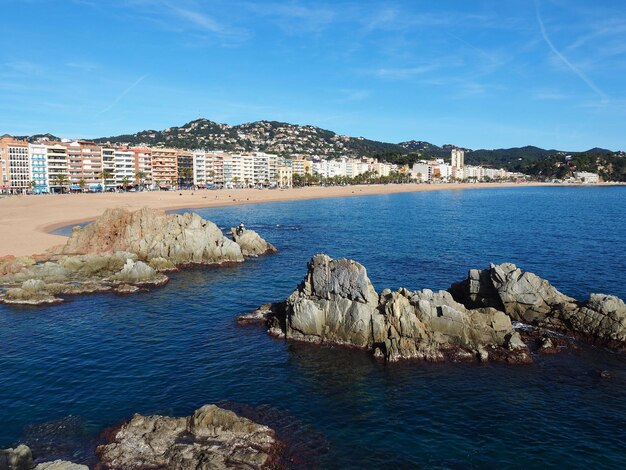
<point x="564" y="59"/>
<point x="123" y="94"/>
<point x="402" y="73"/>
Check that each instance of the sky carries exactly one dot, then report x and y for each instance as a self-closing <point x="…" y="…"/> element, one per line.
<point x="474" y="73"/>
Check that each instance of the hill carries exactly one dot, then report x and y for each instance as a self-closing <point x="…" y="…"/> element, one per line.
<point x="267" y="136"/>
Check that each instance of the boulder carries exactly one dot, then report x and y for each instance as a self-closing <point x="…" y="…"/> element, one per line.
<point x="20" y="458"/>
<point x="527" y="298"/>
<point x="337" y="303"/>
<point x="251" y="243"/>
<point x="211" y="438"/>
<point x="139" y="273"/>
<point x="179" y="238"/>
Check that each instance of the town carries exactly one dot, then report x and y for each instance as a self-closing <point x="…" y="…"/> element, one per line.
<point x="45" y="166"/>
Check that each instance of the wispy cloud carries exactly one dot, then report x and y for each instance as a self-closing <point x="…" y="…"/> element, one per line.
<point x="564" y="59"/>
<point x="547" y="95"/>
<point x="296" y="17"/>
<point x="123" y="94"/>
<point x="402" y="73"/>
<point x="80" y="65"/>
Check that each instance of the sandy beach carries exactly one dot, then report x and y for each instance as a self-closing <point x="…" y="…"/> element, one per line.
<point x="26" y="221"/>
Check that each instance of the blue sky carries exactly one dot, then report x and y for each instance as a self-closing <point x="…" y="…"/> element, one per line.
<point x="475" y="73"/>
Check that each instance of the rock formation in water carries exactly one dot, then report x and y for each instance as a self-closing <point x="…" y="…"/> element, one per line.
<point x="148" y="233"/>
<point x="122" y="252"/>
<point x="527" y="298"/>
<point x="211" y="438"/>
<point x="251" y="243"/>
<point x="21" y="458"/>
<point x="336" y="303"/>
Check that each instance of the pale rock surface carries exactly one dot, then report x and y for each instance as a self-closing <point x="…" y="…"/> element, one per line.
<point x="138" y="273"/>
<point x="148" y="233"/>
<point x="251" y="243"/>
<point x="337" y="303"/>
<point x="528" y="298"/>
<point x="20" y="458"/>
<point x="60" y="465"/>
<point x="212" y="438"/>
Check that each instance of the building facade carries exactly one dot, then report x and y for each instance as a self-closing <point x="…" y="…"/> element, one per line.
<point x="38" y="157"/>
<point x="16" y="172"/>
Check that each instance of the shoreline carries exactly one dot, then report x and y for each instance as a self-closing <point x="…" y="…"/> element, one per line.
<point x="27" y="221"/>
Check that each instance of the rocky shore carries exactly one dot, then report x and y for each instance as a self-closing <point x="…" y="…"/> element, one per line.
<point x="337" y="304"/>
<point x="211" y="437"/>
<point x="122" y="252"/>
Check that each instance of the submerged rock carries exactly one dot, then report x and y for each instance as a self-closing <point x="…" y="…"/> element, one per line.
<point x="337" y="303"/>
<point x="530" y="299"/>
<point x="211" y="438"/>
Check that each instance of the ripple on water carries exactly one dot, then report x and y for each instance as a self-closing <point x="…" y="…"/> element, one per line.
<point x="104" y="357"/>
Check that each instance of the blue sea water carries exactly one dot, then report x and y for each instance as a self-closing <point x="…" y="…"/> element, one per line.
<point x="102" y="358"/>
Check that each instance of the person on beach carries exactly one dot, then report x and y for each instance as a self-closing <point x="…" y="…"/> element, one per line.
<point x="240" y="228"/>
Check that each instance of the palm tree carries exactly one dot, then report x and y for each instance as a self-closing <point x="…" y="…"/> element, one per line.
<point x="60" y="181"/>
<point x="141" y="176"/>
<point x="184" y="175"/>
<point x="125" y="183"/>
<point x="81" y="184"/>
<point x="106" y="175"/>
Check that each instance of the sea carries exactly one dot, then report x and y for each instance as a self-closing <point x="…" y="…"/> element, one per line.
<point x="70" y="371"/>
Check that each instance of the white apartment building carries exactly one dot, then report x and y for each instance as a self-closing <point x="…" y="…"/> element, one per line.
<point x="381" y="168"/>
<point x="355" y="168"/>
<point x="38" y="159"/>
<point x="422" y="171"/>
<point x="124" y="162"/>
<point x="587" y="177"/>
<point x="262" y="175"/>
<point x="199" y="168"/>
<point x="239" y="169"/>
<point x="58" y="163"/>
<point x="458" y="158"/>
<point x="330" y="168"/>
<point x="108" y="167"/>
<point x="301" y="166"/>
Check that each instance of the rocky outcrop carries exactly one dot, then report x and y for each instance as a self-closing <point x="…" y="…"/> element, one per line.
<point x="336" y="303"/>
<point x="21" y="458"/>
<point x="148" y="233"/>
<point x="48" y="282"/>
<point x="527" y="298"/>
<point x="211" y="438"/>
<point x="122" y="252"/>
<point x="251" y="243"/>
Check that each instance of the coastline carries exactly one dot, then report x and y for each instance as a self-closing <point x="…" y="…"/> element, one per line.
<point x="28" y="220"/>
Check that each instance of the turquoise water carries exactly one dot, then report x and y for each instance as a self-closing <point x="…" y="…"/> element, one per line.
<point x="101" y="358"/>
